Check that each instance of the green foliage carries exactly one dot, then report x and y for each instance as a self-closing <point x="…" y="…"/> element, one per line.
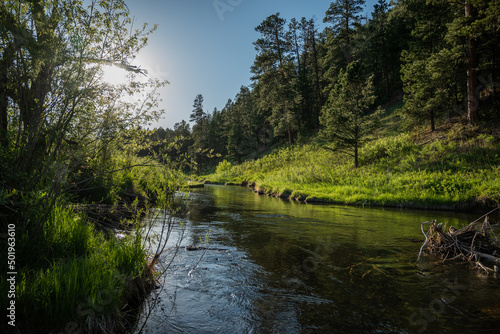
<point x="344" y="17"/>
<point x="388" y="148"/>
<point x="446" y="173"/>
<point x="277" y="79"/>
<point x="347" y="119"/>
<point x="67" y="135"/>
<point x="197" y="114"/>
<point x="58" y="107"/>
<point x="71" y="274"/>
<point x="223" y="167"/>
<point x="386" y="34"/>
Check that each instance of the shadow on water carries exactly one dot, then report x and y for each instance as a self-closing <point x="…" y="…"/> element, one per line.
<point x="278" y="266"/>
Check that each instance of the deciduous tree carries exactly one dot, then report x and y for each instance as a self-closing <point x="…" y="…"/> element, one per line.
<point x="53" y="93"/>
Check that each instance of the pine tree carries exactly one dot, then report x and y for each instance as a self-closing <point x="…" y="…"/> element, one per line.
<point x="276" y="76"/>
<point x="309" y="73"/>
<point x="347" y="117"/>
<point x="200" y="145"/>
<point x="197" y="114"/>
<point x="428" y="70"/>
<point x="474" y="38"/>
<point x="382" y="52"/>
<point x="344" y="18"/>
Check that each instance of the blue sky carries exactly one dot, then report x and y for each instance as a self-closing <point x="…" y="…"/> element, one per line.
<point x="205" y="46"/>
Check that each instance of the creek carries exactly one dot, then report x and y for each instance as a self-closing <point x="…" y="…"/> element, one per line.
<point x="278" y="266"/>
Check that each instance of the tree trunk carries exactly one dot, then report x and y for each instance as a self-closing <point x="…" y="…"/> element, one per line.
<point x="385" y="74"/>
<point x="316" y="70"/>
<point x="472" y="101"/>
<point x="280" y="55"/>
<point x="356" y="158"/>
<point x="3" y="102"/>
<point x="385" y="67"/>
<point x="348" y="41"/>
<point x="297" y="51"/>
<point x="433" y="121"/>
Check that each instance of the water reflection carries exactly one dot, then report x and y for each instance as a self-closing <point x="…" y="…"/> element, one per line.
<point x="284" y="267"/>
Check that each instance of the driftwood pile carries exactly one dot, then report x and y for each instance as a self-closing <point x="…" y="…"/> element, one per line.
<point x="475" y="243"/>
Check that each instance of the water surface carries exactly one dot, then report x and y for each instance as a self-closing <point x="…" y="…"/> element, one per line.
<point x="284" y="267"/>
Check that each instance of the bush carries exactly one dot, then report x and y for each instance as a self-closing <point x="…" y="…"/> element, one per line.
<point x="223" y="167"/>
<point x="388" y="148"/>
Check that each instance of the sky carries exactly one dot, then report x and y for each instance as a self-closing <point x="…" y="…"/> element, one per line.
<point x="205" y="46"/>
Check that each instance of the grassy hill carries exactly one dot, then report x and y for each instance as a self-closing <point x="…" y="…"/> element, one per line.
<point x="456" y="167"/>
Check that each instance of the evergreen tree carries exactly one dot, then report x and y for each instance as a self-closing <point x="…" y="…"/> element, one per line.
<point x="343" y="15"/>
<point x="234" y="130"/>
<point x="309" y="84"/>
<point x="217" y="136"/>
<point x="385" y="36"/>
<point x="275" y="72"/>
<point x="197" y="114"/>
<point x="347" y="117"/>
<point x="313" y="48"/>
<point x="474" y="39"/>
<point x="200" y="145"/>
<point x="261" y="114"/>
<point x="428" y="66"/>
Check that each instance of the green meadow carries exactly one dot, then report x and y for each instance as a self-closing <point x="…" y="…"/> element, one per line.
<point x="452" y="168"/>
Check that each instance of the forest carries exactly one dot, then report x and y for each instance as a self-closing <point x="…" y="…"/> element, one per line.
<point x="400" y="108"/>
<point x="424" y="62"/>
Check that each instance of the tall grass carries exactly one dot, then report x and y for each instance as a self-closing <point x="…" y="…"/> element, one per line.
<point x="122" y="175"/>
<point x="72" y="278"/>
<point x="446" y="172"/>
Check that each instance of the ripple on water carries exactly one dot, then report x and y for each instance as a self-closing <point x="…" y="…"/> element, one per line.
<point x="291" y="268"/>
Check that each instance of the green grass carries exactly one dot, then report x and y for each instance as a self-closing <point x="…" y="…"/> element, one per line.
<point x="71" y="278"/>
<point x="132" y="175"/>
<point x="447" y="171"/>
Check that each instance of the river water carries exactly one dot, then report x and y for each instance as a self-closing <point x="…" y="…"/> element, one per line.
<point x="276" y="266"/>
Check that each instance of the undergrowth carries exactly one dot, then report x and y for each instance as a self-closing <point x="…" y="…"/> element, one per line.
<point x="71" y="276"/>
<point x="457" y="168"/>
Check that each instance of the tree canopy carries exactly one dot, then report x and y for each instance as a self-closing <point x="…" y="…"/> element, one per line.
<point x="57" y="113"/>
<point x="436" y="60"/>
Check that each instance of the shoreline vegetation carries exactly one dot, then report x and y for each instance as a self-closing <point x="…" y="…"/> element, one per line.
<point x="74" y="195"/>
<point x="89" y="269"/>
<point x="454" y="168"/>
<point x="79" y="169"/>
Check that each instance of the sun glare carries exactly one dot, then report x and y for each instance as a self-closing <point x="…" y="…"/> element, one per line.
<point x="114" y="75"/>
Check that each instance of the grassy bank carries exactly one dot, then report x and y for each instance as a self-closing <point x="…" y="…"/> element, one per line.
<point x="456" y="167"/>
<point x="73" y="275"/>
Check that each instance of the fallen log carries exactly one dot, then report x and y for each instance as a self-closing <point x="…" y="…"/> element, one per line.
<point x="475" y="243"/>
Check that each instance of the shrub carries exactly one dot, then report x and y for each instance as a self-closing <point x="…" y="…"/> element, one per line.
<point x="388" y="148"/>
<point x="223" y="167"/>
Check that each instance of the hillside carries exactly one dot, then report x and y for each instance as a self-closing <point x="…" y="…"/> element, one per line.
<point x="456" y="167"/>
